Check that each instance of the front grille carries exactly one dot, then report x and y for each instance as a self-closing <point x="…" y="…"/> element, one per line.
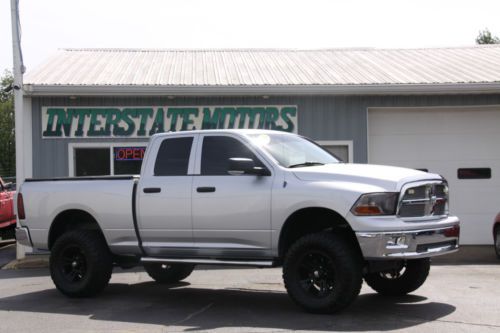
<point x="422" y="201"/>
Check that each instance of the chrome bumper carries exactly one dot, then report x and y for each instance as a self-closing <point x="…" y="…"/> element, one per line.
<point x="23" y="236"/>
<point x="409" y="244"/>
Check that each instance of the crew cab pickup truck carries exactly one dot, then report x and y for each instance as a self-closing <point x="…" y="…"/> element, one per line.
<point x="244" y="197"/>
<point x="7" y="215"/>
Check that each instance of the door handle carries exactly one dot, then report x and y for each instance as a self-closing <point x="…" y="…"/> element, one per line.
<point x="206" y="189"/>
<point x="151" y="190"/>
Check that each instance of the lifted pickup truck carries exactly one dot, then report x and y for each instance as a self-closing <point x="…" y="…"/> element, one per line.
<point x="7" y="215"/>
<point x="244" y="197"/>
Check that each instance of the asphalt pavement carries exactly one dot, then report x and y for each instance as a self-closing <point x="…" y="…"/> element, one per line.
<point x="461" y="298"/>
<point x="7" y="252"/>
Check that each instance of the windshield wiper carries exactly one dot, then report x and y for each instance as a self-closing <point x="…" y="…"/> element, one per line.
<point x="305" y="164"/>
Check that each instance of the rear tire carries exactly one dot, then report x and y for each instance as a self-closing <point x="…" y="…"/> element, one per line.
<point x="80" y="263"/>
<point x="322" y="273"/>
<point x="407" y="278"/>
<point x="168" y="273"/>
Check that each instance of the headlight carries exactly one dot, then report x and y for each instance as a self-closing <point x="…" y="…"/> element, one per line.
<point x="376" y="204"/>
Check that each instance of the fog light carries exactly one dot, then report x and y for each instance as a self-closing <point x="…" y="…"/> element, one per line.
<point x="397" y="242"/>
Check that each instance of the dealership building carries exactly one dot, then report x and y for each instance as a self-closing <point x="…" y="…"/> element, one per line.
<point x="91" y="111"/>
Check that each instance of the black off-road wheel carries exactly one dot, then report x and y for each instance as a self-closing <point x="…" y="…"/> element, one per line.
<point x="400" y="281"/>
<point x="81" y="263"/>
<point x="322" y="273"/>
<point x="168" y="273"/>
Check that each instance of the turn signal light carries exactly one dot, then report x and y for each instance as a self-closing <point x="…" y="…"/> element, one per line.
<point x="368" y="210"/>
<point x="20" y="207"/>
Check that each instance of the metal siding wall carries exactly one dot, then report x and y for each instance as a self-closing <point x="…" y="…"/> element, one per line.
<point x="320" y="118"/>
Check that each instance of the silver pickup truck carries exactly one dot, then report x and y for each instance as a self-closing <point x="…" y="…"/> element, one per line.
<point x="244" y="197"/>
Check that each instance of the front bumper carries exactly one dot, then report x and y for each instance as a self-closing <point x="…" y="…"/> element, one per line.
<point x="409" y="244"/>
<point x="23" y="236"/>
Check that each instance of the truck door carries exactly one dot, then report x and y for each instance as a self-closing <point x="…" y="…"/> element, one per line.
<point x="231" y="213"/>
<point x="164" y="197"/>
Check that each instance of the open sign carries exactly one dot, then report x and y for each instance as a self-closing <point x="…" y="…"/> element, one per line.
<point x="129" y="153"/>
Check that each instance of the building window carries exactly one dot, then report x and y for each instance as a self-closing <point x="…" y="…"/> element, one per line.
<point x="342" y="149"/>
<point x="92" y="162"/>
<point x="474" y="173"/>
<point x="128" y="160"/>
<point x="101" y="159"/>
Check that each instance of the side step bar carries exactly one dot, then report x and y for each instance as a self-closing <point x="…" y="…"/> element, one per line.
<point x="255" y="263"/>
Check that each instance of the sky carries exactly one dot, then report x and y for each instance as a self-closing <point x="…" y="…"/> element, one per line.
<point x="49" y="25"/>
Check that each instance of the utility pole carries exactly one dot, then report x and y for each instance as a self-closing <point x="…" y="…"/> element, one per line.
<point x="18" y="101"/>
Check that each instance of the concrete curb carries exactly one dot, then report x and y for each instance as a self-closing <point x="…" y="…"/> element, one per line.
<point x="38" y="261"/>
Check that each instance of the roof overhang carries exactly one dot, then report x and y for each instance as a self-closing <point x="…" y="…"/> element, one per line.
<point x="375" y="89"/>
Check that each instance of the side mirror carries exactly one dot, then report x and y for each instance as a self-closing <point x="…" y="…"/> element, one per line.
<point x="241" y="166"/>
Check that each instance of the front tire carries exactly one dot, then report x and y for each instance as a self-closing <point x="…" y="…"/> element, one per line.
<point x="322" y="273"/>
<point x="402" y="280"/>
<point x="168" y="273"/>
<point x="80" y="263"/>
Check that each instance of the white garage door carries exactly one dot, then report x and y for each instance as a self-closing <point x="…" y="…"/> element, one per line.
<point x="462" y="144"/>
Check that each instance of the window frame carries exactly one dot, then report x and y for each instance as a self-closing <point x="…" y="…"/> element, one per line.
<point x="199" y="150"/>
<point x="98" y="145"/>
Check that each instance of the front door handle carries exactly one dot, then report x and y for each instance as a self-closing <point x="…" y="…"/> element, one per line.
<point x="206" y="189"/>
<point x="151" y="190"/>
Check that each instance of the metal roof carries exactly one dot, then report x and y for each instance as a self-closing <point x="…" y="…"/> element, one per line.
<point x="235" y="71"/>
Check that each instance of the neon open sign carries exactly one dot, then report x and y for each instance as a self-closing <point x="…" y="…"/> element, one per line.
<point x="129" y="153"/>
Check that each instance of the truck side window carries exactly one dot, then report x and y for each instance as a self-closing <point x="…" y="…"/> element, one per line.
<point x="216" y="152"/>
<point x="173" y="157"/>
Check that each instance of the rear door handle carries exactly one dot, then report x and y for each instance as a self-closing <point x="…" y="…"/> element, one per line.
<point x="151" y="190"/>
<point x="206" y="189"/>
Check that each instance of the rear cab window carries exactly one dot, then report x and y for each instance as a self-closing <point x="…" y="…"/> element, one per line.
<point x="173" y="157"/>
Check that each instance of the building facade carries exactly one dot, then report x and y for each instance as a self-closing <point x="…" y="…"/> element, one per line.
<point x="91" y="112"/>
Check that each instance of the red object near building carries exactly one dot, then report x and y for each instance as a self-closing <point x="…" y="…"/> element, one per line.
<point x="7" y="215"/>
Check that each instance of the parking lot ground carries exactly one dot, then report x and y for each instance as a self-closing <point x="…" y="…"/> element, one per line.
<point x="464" y="298"/>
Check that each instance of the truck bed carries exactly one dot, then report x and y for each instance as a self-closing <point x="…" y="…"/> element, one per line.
<point x="107" y="199"/>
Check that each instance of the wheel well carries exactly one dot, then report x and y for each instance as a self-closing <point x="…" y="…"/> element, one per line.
<point x="310" y="220"/>
<point x="73" y="219"/>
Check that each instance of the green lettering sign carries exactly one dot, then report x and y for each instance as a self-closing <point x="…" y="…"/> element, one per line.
<point x="133" y="122"/>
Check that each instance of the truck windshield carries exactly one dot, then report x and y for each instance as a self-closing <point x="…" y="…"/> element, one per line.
<point x="293" y="151"/>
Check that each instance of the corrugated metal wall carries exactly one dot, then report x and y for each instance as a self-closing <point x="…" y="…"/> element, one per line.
<point x="319" y="117"/>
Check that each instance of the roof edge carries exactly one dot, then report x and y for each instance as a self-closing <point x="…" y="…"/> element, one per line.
<point x="387" y="89"/>
<point x="275" y="49"/>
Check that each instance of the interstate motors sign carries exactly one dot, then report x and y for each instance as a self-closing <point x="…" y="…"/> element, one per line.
<point x="137" y="122"/>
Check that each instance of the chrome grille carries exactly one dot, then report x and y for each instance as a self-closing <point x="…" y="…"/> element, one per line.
<point x="424" y="201"/>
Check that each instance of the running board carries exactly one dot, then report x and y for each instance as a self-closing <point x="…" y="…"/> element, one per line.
<point x="257" y="263"/>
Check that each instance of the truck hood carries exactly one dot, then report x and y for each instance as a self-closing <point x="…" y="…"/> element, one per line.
<point x="386" y="178"/>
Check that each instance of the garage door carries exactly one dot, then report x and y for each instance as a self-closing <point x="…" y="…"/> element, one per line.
<point x="462" y="144"/>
